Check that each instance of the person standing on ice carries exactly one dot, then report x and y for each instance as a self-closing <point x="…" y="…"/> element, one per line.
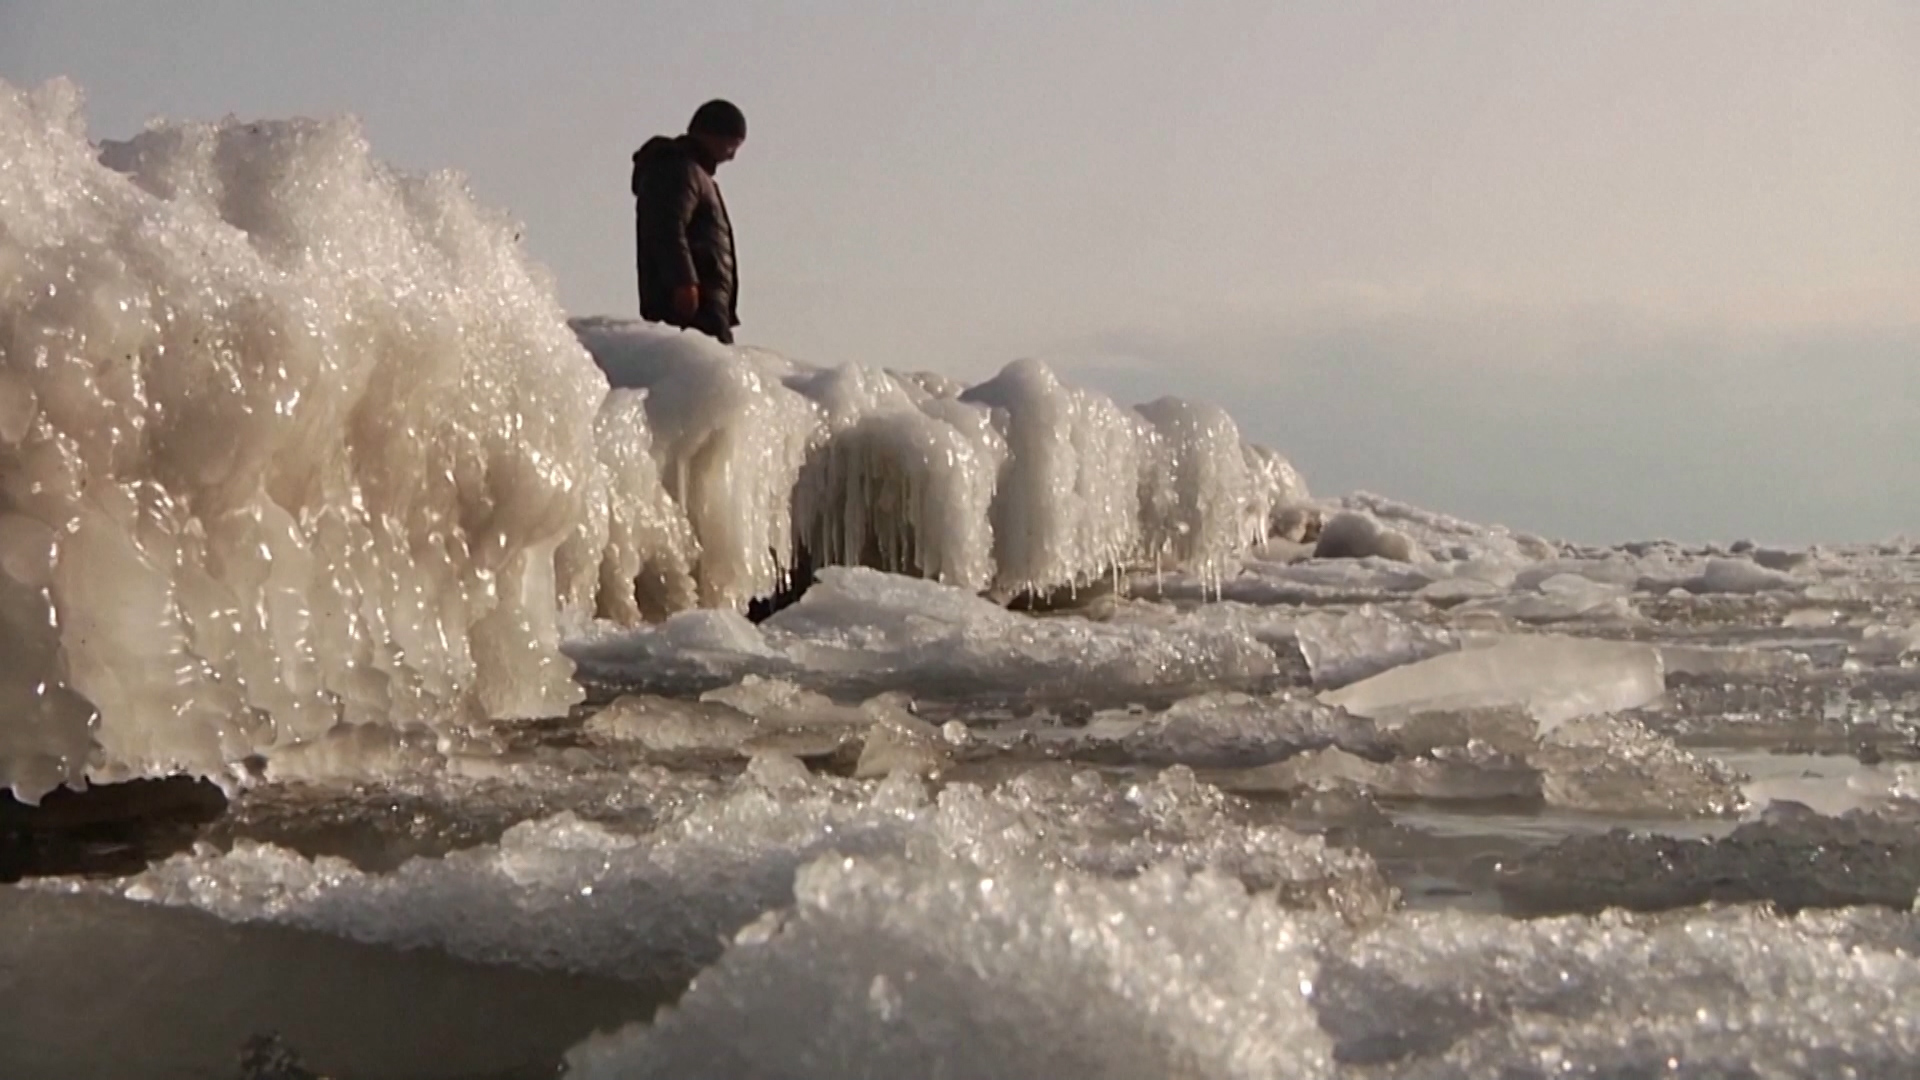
<point x="684" y="239"/>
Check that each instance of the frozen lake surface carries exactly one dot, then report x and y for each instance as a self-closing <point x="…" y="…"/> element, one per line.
<point x="895" y="827"/>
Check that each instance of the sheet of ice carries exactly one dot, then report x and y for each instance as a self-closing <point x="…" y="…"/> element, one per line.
<point x="1729" y="662"/>
<point x="894" y="968"/>
<point x="1719" y="575"/>
<point x="1617" y="570"/>
<point x="564" y="894"/>
<point x="1791" y="856"/>
<point x="1614" y="765"/>
<point x="917" y="634"/>
<point x="1554" y="678"/>
<point x="669" y="725"/>
<point x="730" y="438"/>
<point x="286" y="439"/>
<point x="1735" y="992"/>
<point x="936" y="968"/>
<point x="1459" y="776"/>
<point x="860" y="631"/>
<point x="1317" y="581"/>
<point x="1229" y="730"/>
<point x="693" y="650"/>
<point x="1354" y="645"/>
<point x="1558" y="598"/>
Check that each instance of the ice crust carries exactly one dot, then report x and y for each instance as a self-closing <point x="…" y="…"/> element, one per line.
<point x="291" y="440"/>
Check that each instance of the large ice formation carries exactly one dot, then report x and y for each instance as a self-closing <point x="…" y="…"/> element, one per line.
<point x="286" y="440"/>
<point x="291" y="440"/>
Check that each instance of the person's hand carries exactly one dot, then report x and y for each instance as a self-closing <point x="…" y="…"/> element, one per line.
<point x="686" y="301"/>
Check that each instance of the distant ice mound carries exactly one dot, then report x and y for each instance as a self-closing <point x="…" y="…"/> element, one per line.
<point x="291" y="440"/>
<point x="1021" y="483"/>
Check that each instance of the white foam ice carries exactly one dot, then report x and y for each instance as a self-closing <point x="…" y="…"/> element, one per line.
<point x="1554" y="679"/>
<point x="289" y="440"/>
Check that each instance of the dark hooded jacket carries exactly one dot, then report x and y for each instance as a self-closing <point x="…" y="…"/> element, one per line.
<point x="683" y="236"/>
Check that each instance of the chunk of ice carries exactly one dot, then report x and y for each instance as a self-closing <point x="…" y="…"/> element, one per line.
<point x="892" y="968"/>
<point x="1353" y="645"/>
<point x="1555" y="679"/>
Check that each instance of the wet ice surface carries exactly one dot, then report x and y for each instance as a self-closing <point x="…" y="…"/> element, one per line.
<point x="896" y="830"/>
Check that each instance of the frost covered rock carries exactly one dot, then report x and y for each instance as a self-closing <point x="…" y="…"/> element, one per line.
<point x="1349" y="535"/>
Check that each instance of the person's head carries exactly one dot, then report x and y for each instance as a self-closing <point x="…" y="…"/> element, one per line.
<point x="719" y="127"/>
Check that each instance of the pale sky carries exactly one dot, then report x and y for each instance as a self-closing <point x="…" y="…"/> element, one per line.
<point x="1600" y="270"/>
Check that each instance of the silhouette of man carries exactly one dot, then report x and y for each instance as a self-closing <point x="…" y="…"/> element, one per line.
<point x="689" y="276"/>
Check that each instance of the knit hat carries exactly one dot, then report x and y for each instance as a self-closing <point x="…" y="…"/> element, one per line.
<point x="721" y="118"/>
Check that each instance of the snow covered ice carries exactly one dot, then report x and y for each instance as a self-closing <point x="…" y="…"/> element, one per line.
<point x="1098" y="746"/>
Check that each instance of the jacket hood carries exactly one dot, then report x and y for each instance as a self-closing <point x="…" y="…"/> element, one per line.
<point x="650" y="153"/>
